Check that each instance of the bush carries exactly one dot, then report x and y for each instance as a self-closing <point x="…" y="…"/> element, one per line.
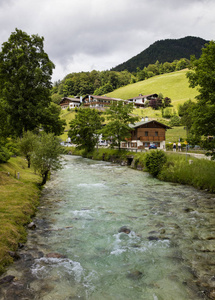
<point x="154" y="161"/>
<point x="4" y="154"/>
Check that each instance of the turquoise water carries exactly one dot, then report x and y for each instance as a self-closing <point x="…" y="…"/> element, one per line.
<point x="82" y="209"/>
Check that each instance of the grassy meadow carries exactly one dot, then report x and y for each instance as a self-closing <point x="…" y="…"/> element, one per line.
<point x="19" y="199"/>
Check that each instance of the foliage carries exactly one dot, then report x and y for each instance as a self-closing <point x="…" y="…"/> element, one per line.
<point x="119" y="115"/>
<point x="27" y="144"/>
<point x="84" y="129"/>
<point x="185" y="111"/>
<point x="154" y="161"/>
<point x="202" y="77"/>
<point x="46" y="155"/>
<point x="4" y="154"/>
<point x="52" y="121"/>
<point x="94" y="82"/>
<point x="25" y="81"/>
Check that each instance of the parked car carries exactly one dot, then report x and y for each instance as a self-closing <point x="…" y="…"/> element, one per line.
<point x="152" y="146"/>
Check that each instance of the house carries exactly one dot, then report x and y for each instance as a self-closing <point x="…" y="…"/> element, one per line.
<point x="145" y="133"/>
<point x="140" y="100"/>
<point x="99" y="102"/>
<point x="70" y="102"/>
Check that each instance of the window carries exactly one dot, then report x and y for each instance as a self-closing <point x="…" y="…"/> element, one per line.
<point x="156" y="133"/>
<point x="146" y="133"/>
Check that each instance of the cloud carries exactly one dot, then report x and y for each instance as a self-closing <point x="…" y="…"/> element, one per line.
<point x="94" y="34"/>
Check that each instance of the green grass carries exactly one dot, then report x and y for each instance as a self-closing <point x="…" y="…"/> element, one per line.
<point x="18" y="202"/>
<point x="200" y="174"/>
<point x="173" y="135"/>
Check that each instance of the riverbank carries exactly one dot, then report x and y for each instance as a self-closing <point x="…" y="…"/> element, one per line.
<point x="20" y="194"/>
<point x="183" y="169"/>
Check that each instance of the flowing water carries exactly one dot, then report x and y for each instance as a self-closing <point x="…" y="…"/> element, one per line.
<point x="77" y="251"/>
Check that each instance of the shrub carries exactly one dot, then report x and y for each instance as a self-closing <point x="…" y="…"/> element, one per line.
<point x="4" y="154"/>
<point x="154" y="161"/>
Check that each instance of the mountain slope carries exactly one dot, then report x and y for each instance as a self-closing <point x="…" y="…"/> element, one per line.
<point x="164" y="51"/>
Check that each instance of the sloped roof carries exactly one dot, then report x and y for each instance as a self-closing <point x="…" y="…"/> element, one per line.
<point x="103" y="98"/>
<point x="138" y="124"/>
<point x="70" y="99"/>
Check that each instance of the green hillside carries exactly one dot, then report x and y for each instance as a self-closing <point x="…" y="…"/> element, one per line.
<point x="173" y="85"/>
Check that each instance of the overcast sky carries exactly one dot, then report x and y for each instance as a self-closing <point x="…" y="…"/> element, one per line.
<point x="86" y="35"/>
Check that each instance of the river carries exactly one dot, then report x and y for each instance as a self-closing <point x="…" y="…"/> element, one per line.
<point x="78" y="252"/>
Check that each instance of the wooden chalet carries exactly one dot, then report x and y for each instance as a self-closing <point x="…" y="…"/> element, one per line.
<point x="99" y="102"/>
<point x="145" y="133"/>
<point x="70" y="102"/>
<point x="140" y="100"/>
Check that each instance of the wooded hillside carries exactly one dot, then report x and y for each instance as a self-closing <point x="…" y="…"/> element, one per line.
<point x="164" y="51"/>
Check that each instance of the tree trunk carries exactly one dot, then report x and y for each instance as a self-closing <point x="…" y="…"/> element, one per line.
<point x="45" y="176"/>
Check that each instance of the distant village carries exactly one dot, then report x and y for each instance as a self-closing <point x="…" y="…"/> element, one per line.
<point x="146" y="134"/>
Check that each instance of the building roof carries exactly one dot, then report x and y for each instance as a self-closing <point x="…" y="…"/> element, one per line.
<point x="138" y="124"/>
<point x="70" y="99"/>
<point x="103" y="98"/>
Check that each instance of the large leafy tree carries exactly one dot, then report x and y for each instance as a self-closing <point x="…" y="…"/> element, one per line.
<point x="202" y="76"/>
<point x="25" y="80"/>
<point x="120" y="116"/>
<point x="85" y="128"/>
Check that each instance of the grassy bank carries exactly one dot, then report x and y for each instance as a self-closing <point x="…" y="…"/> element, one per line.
<point x="199" y="174"/>
<point x="18" y="202"/>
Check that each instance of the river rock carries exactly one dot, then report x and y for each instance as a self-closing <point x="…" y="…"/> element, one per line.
<point x="14" y="255"/>
<point x="31" y="225"/>
<point x="124" y="229"/>
<point x="135" y="275"/>
<point x="153" y="238"/>
<point x="55" y="255"/>
<point x="7" y="279"/>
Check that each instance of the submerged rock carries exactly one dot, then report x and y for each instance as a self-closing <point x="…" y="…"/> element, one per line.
<point x="55" y="255"/>
<point x="7" y="279"/>
<point x="153" y="238"/>
<point x="124" y="229"/>
<point x="135" y="275"/>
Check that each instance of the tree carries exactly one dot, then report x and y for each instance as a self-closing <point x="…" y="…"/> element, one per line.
<point x="185" y="111"/>
<point x="202" y="76"/>
<point x="119" y="115"/>
<point x="27" y="144"/>
<point x="51" y="119"/>
<point x="25" y="80"/>
<point x="46" y="155"/>
<point x="85" y="127"/>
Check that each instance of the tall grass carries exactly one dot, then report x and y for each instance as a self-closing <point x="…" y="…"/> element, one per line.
<point x="200" y="173"/>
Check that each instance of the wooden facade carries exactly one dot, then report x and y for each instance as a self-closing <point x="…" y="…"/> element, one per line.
<point x="145" y="133"/>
